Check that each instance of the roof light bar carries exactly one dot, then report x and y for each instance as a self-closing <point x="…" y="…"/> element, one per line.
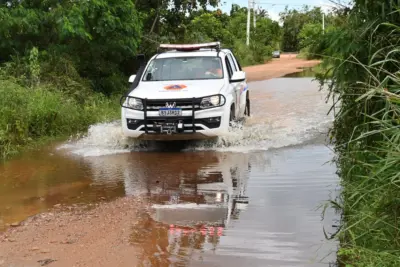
<point x="189" y="47"/>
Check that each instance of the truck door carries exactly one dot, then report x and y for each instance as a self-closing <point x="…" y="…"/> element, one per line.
<point x="241" y="95"/>
<point x="235" y="87"/>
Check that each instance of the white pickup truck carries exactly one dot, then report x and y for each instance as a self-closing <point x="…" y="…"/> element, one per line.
<point x="185" y="92"/>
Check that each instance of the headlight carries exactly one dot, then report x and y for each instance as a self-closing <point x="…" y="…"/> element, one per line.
<point x="212" y="101"/>
<point x="135" y="103"/>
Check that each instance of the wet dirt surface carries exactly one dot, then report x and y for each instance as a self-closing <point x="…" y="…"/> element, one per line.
<point x="249" y="198"/>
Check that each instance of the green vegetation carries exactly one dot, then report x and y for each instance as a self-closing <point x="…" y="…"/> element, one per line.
<point x="364" y="55"/>
<point x="61" y="64"/>
<point x="229" y="29"/>
<point x="38" y="103"/>
<point x="295" y="23"/>
<point x="303" y="30"/>
<point x="42" y="112"/>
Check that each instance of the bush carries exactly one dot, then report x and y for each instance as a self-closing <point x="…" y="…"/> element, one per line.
<point x="365" y="59"/>
<point x="30" y="114"/>
<point x="256" y="54"/>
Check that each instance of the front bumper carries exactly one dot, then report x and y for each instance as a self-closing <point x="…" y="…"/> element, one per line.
<point x="193" y="124"/>
<point x="174" y="137"/>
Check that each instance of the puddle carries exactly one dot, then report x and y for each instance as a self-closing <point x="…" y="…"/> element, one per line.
<point x="266" y="217"/>
<point x="306" y="72"/>
<point x="247" y="199"/>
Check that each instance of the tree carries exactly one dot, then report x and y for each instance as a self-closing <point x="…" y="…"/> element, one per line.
<point x="310" y="34"/>
<point x="97" y="35"/>
<point x="293" y="22"/>
<point x="206" y="28"/>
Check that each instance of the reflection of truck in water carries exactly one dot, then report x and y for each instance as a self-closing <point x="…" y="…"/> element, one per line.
<point x="192" y="210"/>
<point x="201" y="186"/>
<point x="192" y="199"/>
<point x="217" y="193"/>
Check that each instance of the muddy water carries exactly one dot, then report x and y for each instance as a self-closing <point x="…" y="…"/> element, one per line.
<point x="303" y="72"/>
<point x="250" y="197"/>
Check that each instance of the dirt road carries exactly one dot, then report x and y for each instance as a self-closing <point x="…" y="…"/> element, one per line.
<point x="107" y="233"/>
<point x="73" y="236"/>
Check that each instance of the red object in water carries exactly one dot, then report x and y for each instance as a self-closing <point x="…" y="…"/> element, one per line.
<point x="203" y="230"/>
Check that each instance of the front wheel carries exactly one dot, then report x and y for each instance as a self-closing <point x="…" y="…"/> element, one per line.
<point x="232" y="116"/>
<point x="247" y="108"/>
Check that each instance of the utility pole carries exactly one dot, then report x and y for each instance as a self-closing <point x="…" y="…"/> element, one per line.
<point x="248" y="23"/>
<point x="254" y="13"/>
<point x="323" y="22"/>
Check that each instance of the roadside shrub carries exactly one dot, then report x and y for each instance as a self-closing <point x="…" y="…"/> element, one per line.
<point x="255" y="54"/>
<point x="30" y="114"/>
<point x="366" y="133"/>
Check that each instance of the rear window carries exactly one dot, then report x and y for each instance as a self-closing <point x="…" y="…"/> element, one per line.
<point x="184" y="68"/>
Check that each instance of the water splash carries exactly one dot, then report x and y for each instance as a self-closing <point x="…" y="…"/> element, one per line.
<point x="265" y="136"/>
<point x="102" y="139"/>
<point x="283" y="115"/>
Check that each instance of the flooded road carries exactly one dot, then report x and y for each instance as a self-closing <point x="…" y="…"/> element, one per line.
<point x="249" y="198"/>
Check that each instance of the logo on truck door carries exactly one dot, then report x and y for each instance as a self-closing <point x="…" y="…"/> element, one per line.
<point x="243" y="88"/>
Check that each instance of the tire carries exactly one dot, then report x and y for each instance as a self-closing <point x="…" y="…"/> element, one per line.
<point x="247" y="108"/>
<point x="232" y="115"/>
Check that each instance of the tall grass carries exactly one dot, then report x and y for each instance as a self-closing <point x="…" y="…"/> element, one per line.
<point x="367" y="141"/>
<point x="371" y="195"/>
<point x="43" y="96"/>
<point x="29" y="114"/>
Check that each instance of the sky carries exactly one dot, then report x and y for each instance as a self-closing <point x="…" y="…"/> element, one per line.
<point x="274" y="10"/>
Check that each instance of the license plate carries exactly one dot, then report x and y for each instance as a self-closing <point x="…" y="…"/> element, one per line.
<point x="170" y="112"/>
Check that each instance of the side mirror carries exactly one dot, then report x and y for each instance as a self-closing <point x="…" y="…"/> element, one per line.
<point x="141" y="57"/>
<point x="132" y="78"/>
<point x="238" y="76"/>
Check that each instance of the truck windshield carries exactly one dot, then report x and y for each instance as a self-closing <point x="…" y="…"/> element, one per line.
<point x="184" y="68"/>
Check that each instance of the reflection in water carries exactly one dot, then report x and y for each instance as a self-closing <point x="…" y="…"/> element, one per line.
<point x="163" y="245"/>
<point x="38" y="180"/>
<point x="233" y="208"/>
<point x="191" y="198"/>
<point x="202" y="208"/>
<point x="208" y="207"/>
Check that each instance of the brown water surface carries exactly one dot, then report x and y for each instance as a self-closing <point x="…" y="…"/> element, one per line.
<point x="249" y="198"/>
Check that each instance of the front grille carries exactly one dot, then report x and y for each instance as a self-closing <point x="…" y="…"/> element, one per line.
<point x="184" y="104"/>
<point x="211" y="123"/>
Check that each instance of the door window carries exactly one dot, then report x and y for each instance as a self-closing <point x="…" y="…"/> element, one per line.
<point x="232" y="61"/>
<point x="237" y="63"/>
<point x="228" y="67"/>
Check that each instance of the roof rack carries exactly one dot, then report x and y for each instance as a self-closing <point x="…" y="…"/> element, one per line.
<point x="191" y="47"/>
